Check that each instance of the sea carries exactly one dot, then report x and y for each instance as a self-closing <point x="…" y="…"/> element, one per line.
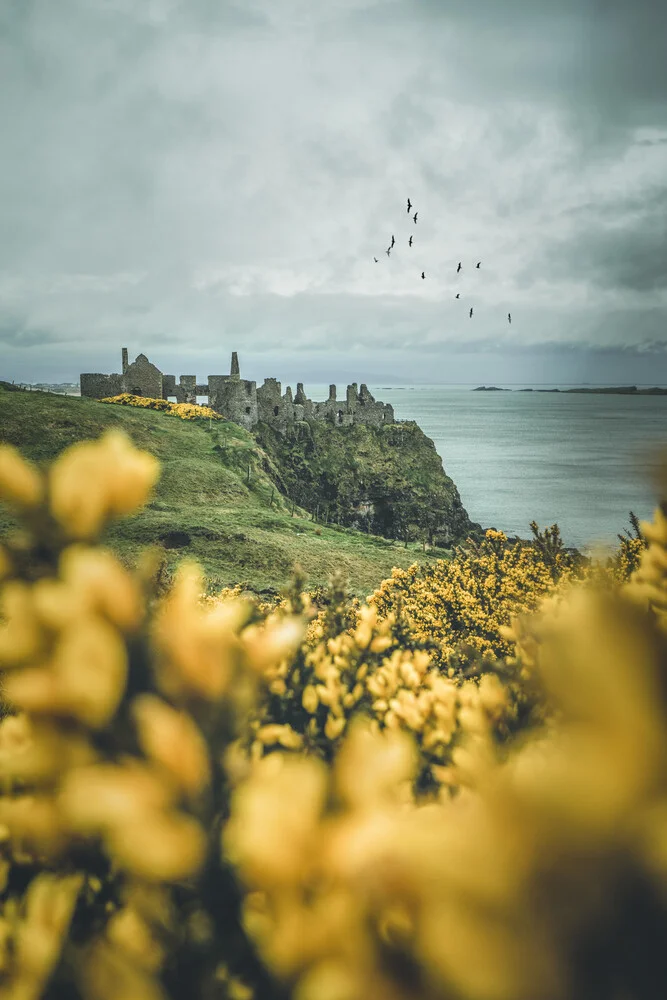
<point x="577" y="460"/>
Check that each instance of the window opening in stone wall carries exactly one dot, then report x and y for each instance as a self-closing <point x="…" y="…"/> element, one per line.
<point x="137" y="391"/>
<point x="276" y="411"/>
<point x="340" y="416"/>
<point x="247" y="409"/>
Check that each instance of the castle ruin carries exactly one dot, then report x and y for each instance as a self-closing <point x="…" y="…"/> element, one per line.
<point x="239" y="399"/>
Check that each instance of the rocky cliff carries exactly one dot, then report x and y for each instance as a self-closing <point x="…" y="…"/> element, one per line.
<point x="386" y="480"/>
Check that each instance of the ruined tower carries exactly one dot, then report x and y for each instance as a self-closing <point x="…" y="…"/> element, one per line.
<point x="234" y="397"/>
<point x="124" y="360"/>
<point x="300" y="394"/>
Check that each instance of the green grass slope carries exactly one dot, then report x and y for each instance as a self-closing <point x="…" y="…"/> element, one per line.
<point x="217" y="499"/>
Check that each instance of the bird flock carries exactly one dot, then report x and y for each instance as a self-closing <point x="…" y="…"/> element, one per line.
<point x="423" y="273"/>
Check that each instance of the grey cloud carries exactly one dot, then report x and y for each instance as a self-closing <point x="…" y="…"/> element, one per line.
<point x="617" y="246"/>
<point x="179" y="138"/>
<point x="16" y="333"/>
<point x="214" y="15"/>
<point x="613" y="48"/>
<point x="602" y="64"/>
<point x="635" y="260"/>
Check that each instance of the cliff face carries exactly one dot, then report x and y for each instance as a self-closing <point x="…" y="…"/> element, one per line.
<point x="387" y="480"/>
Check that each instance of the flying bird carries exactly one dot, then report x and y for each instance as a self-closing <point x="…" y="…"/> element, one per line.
<point x="509" y="316"/>
<point x="478" y="263"/>
<point x="458" y="295"/>
<point x="423" y="275"/>
<point x="375" y="259"/>
<point x="458" y="268"/>
<point x="470" y="312"/>
<point x="414" y="217"/>
<point x="410" y="242"/>
<point x="392" y="240"/>
<point x="388" y="251"/>
<point x="409" y="206"/>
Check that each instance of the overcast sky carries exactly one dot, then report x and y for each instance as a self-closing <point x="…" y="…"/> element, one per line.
<point x="188" y="177"/>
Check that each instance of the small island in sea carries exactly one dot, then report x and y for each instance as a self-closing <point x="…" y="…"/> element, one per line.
<point x="619" y="390"/>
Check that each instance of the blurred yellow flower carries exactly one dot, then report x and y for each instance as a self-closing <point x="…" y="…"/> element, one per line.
<point x="118" y="479"/>
<point x="21" y="484"/>
<point x="171" y="739"/>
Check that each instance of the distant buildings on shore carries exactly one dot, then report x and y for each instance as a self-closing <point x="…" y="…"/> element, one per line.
<point x="61" y="388"/>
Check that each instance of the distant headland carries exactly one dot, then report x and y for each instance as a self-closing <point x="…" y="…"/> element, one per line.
<point x="614" y="390"/>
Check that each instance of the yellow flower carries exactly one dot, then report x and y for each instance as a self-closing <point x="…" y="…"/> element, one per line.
<point x="172" y="740"/>
<point x="20" y="482"/>
<point x="274" y="815"/>
<point x="369" y="768"/>
<point x="283" y="735"/>
<point x="334" y="727"/>
<point x="98" y="579"/>
<point x="158" y="846"/>
<point x="95" y="798"/>
<point x="269" y="644"/>
<point x="49" y="905"/>
<point x="21" y="638"/>
<point x="5" y="563"/>
<point x="34" y="821"/>
<point x="90" y="666"/>
<point x="128" y="931"/>
<point x="199" y="648"/>
<point x="310" y="699"/>
<point x="656" y="530"/>
<point x="329" y="980"/>
<point x="93" y="481"/>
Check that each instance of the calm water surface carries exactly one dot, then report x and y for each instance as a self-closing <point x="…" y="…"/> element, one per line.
<point x="579" y="460"/>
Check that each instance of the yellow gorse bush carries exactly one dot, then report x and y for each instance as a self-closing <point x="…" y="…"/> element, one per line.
<point x="544" y="877"/>
<point x="311" y="698"/>
<point x="464" y="602"/>
<point x="126" y="705"/>
<point x="215" y="798"/>
<point x="186" y="411"/>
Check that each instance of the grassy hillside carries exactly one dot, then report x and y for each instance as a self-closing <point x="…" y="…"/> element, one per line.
<point x="217" y="498"/>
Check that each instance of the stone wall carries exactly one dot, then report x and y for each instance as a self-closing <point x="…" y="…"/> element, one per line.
<point x="359" y="407"/>
<point x="188" y="387"/>
<point x="239" y="399"/>
<point x="235" y="398"/>
<point x="142" y="378"/>
<point x="98" y="386"/>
